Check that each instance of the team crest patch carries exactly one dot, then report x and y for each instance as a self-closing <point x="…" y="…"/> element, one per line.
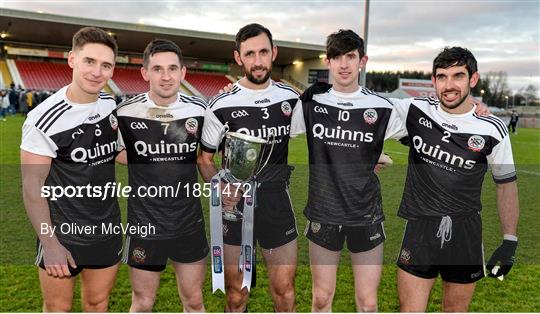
<point x="139" y="255"/>
<point x="315" y="227"/>
<point x="286" y="108"/>
<point x="405" y="256"/>
<point x="370" y="116"/>
<point x="476" y="143"/>
<point x="113" y="121"/>
<point x="192" y="125"/>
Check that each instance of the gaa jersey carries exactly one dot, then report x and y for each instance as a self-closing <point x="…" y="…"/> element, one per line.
<point x="345" y="136"/>
<point x="448" y="158"/>
<point x="81" y="139"/>
<point x="161" y="144"/>
<point x="264" y="113"/>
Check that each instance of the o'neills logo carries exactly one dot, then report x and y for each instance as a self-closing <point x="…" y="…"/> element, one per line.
<point x="405" y="256"/>
<point x="262" y="101"/>
<point x="164" y="116"/>
<point x="265" y="132"/>
<point x="476" y="143"/>
<point x="139" y="255"/>
<point x="145" y="149"/>
<point x="322" y="132"/>
<point x="436" y="152"/>
<point x="81" y="154"/>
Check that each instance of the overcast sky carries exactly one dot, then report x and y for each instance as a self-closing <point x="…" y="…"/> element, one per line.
<point x="403" y="35"/>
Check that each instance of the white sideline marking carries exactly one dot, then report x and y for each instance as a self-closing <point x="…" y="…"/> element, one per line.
<point x="529" y="172"/>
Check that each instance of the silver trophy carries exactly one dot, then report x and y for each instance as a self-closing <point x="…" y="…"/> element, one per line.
<point x="241" y="162"/>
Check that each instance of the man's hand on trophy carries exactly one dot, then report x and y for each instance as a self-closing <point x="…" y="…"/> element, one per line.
<point x="226" y="88"/>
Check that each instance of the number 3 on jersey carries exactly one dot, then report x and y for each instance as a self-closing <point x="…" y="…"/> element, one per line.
<point x="446" y="137"/>
<point x="265" y="113"/>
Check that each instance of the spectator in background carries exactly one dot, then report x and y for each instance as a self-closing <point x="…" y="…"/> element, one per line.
<point x="514" y="117"/>
<point x="23" y="103"/>
<point x="13" y="99"/>
<point x="4" y="104"/>
<point x="30" y="100"/>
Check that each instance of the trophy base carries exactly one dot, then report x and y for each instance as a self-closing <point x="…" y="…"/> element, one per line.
<point x="232" y="216"/>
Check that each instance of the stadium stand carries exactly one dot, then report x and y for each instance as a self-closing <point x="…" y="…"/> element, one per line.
<point x="129" y="80"/>
<point x="4" y="73"/>
<point x="206" y="83"/>
<point x="43" y="75"/>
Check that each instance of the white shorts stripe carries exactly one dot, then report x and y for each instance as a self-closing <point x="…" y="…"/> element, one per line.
<point x="39" y="254"/>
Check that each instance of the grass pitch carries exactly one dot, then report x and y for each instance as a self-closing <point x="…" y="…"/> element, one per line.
<point x="519" y="292"/>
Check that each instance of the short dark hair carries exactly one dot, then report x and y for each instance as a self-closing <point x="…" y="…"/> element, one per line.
<point x="455" y="56"/>
<point x="249" y="31"/>
<point x="161" y="45"/>
<point x="343" y="41"/>
<point x="93" y="35"/>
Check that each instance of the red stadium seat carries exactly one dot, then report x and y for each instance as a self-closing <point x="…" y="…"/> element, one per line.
<point x="130" y="80"/>
<point x="207" y="84"/>
<point x="44" y="75"/>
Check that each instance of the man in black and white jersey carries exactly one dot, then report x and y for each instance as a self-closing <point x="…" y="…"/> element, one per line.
<point x="451" y="148"/>
<point x="346" y="127"/>
<point x="160" y="132"/>
<point x="69" y="142"/>
<point x="260" y="107"/>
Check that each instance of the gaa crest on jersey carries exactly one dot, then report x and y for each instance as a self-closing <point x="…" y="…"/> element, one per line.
<point x="192" y="125"/>
<point x="286" y="108"/>
<point x="476" y="143"/>
<point x="139" y="255"/>
<point x="370" y="116"/>
<point x="113" y="121"/>
<point x="315" y="227"/>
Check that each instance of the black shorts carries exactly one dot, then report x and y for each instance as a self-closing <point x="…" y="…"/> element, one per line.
<point x="152" y="254"/>
<point x="461" y="258"/>
<point x="332" y="237"/>
<point x="92" y="256"/>
<point x="275" y="223"/>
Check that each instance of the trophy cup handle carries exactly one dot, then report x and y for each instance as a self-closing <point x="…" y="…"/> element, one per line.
<point x="263" y="151"/>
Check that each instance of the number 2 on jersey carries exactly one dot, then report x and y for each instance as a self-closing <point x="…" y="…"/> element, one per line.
<point x="446" y="137"/>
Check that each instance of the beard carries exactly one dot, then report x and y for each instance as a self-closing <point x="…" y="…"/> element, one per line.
<point x="456" y="104"/>
<point x="255" y="80"/>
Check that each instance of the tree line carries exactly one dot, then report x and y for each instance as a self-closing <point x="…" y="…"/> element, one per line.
<point x="494" y="85"/>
